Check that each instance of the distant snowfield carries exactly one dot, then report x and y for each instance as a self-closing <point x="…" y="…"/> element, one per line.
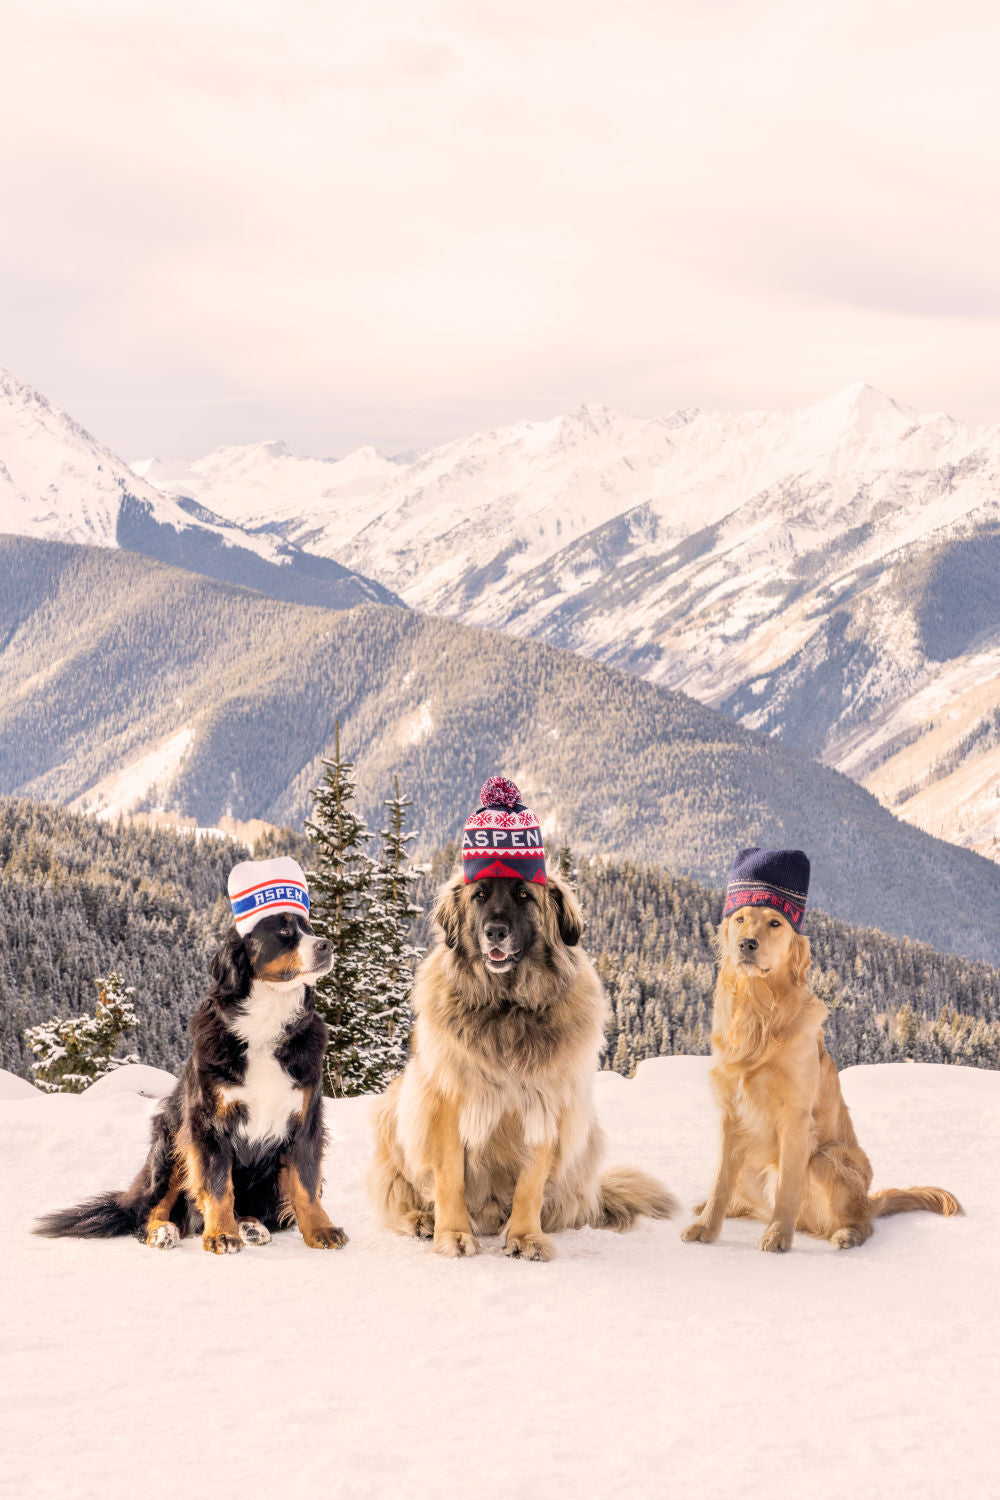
<point x="630" y="1366"/>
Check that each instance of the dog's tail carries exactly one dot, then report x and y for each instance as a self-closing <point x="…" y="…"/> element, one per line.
<point x="625" y="1194"/>
<point x="102" y="1217"/>
<point x="126" y="1212"/>
<point x="901" y="1200"/>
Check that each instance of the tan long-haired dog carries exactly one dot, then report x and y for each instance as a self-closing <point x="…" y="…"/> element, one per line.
<point x="789" y="1155"/>
<point x="492" y="1127"/>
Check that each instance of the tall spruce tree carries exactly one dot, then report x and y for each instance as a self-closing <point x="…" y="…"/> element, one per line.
<point x="72" y="1054"/>
<point x="390" y="917"/>
<point x="340" y="884"/>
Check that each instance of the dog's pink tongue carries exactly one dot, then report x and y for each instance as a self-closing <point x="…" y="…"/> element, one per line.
<point x="497" y="954"/>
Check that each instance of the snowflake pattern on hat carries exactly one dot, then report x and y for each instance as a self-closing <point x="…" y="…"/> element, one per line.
<point x="502" y="837"/>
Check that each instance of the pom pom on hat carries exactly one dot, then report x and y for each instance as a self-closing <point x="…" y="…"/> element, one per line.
<point x="498" y="791"/>
<point x="502" y="838"/>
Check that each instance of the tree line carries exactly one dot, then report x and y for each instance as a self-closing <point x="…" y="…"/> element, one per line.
<point x="82" y="898"/>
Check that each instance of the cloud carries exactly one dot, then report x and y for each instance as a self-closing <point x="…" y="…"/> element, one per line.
<point x="388" y="217"/>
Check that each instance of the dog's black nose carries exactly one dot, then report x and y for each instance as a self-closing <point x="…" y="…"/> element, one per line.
<point x="748" y="945"/>
<point x="496" y="932"/>
<point x="321" y="947"/>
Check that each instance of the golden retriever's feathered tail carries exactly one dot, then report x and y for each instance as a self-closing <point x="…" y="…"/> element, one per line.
<point x="627" y="1193"/>
<point x="902" y="1200"/>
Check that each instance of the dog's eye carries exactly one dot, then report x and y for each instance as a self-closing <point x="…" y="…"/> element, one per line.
<point x="478" y="896"/>
<point x="523" y="894"/>
<point x="775" y="923"/>
<point x="739" y="921"/>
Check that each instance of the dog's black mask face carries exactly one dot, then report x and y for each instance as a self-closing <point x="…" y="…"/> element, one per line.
<point x="503" y="916"/>
<point x="281" y="949"/>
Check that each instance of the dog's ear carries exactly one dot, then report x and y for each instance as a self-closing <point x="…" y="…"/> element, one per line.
<point x="447" y="914"/>
<point x="722" y="938"/>
<point x="800" y="961"/>
<point x="230" y="967"/>
<point x="568" y="913"/>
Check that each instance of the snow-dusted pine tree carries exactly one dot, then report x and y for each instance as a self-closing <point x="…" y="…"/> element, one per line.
<point x="394" y="958"/>
<point x="340" y="883"/>
<point x="72" y="1054"/>
<point x="366" y="910"/>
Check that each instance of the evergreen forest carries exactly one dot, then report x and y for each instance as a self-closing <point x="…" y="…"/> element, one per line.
<point x="80" y="898"/>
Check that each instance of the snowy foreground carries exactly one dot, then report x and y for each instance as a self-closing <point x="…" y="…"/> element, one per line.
<point x="629" y="1366"/>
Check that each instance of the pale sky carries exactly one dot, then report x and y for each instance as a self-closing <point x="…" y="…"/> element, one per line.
<point x="393" y="221"/>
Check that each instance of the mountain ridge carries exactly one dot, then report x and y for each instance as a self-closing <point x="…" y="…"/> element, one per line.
<point x="59" y="483"/>
<point x="808" y="572"/>
<point x="128" y="684"/>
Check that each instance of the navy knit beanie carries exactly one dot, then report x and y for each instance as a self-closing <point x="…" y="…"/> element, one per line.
<point x="769" y="877"/>
<point x="502" y="837"/>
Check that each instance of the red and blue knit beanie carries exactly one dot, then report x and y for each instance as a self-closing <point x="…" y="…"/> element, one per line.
<point x="503" y="837"/>
<point x="769" y="877"/>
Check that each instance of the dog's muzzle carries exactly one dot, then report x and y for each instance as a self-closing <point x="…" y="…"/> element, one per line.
<point x="322" y="964"/>
<point x="501" y="960"/>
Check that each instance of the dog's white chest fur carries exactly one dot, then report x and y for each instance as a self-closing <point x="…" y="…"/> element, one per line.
<point x="268" y="1092"/>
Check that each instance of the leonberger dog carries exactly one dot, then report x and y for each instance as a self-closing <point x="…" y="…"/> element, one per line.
<point x="789" y="1155"/>
<point x="491" y="1128"/>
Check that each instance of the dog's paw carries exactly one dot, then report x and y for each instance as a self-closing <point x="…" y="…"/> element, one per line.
<point x="529" y="1246"/>
<point x="455" y="1243"/>
<point x="253" y="1232"/>
<point x="222" y="1244"/>
<point x="848" y="1237"/>
<point x="775" y="1239"/>
<point x="699" y="1232"/>
<point x="420" y="1223"/>
<point x="163" y="1237"/>
<point x="326" y="1237"/>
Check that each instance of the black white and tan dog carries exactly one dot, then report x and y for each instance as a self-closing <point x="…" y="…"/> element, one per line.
<point x="237" y="1148"/>
<point x="491" y="1127"/>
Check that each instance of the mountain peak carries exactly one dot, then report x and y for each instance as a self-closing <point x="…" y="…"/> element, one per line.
<point x="590" y="418"/>
<point x="863" y="407"/>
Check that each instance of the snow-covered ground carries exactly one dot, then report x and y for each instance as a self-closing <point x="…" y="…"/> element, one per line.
<point x="629" y="1366"/>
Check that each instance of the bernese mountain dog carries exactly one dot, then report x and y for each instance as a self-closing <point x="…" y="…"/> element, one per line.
<point x="237" y="1148"/>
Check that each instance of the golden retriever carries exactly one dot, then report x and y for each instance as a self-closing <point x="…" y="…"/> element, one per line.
<point x="491" y="1127"/>
<point x="789" y="1154"/>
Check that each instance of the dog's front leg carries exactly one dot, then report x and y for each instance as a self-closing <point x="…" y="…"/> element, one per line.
<point x="208" y="1180"/>
<point x="709" y="1222"/>
<point x="524" y="1230"/>
<point x="300" y="1179"/>
<point x="793" y="1159"/>
<point x="299" y="1187"/>
<point x="452" y="1228"/>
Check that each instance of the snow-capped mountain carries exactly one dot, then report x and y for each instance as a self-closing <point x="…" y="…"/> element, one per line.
<point x="58" y="483"/>
<point x="820" y="573"/>
<point x="265" y="485"/>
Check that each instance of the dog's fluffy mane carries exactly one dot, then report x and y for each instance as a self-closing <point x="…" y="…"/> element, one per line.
<point x="525" y="1017"/>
